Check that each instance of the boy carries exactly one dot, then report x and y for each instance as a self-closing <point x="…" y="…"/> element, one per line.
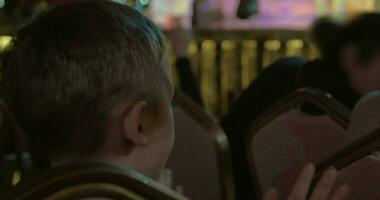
<point x="91" y="80"/>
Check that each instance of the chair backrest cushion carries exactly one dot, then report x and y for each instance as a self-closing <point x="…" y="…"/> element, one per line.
<point x="289" y="141"/>
<point x="365" y="116"/>
<point x="363" y="177"/>
<point x="193" y="161"/>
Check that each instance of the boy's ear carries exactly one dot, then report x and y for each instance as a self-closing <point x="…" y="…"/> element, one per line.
<point x="132" y="125"/>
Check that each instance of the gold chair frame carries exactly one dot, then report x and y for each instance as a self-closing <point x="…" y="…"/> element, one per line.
<point x="337" y="111"/>
<point x="89" y="180"/>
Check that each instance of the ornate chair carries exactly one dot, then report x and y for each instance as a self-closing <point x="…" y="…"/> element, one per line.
<point x="359" y="163"/>
<point x="286" y="137"/>
<point x="200" y="160"/>
<point x="90" y="180"/>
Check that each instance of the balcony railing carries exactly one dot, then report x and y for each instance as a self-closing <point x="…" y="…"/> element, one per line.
<point x="226" y="62"/>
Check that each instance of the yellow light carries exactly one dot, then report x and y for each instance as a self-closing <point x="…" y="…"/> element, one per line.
<point x="228" y="45"/>
<point x="294" y="44"/>
<point x="272" y="45"/>
<point x="192" y="48"/>
<point x="208" y="45"/>
<point x="250" y="44"/>
<point x="294" y="47"/>
<point x="4" y="41"/>
<point x="16" y="178"/>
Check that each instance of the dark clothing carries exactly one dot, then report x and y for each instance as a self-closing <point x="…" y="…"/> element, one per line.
<point x="188" y="83"/>
<point x="273" y="84"/>
<point x="322" y="75"/>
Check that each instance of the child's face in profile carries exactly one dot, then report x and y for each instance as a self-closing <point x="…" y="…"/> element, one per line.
<point x="150" y="131"/>
<point x="164" y="130"/>
<point x="168" y="109"/>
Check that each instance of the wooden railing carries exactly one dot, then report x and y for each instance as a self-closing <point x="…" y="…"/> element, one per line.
<point x="226" y="62"/>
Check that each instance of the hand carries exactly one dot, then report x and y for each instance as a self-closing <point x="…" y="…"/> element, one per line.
<point x="321" y="191"/>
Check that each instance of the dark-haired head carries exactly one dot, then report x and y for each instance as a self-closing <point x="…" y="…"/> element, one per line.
<point x="362" y="33"/>
<point x="323" y="33"/>
<point x="91" y="79"/>
<point x="357" y="49"/>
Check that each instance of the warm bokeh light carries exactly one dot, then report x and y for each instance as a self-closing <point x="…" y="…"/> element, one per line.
<point x="16" y="178"/>
<point x="4" y="41"/>
<point x="170" y="14"/>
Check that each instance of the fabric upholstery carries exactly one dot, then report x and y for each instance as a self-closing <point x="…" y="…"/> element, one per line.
<point x="363" y="176"/>
<point x="193" y="160"/>
<point x="288" y="142"/>
<point x="365" y="116"/>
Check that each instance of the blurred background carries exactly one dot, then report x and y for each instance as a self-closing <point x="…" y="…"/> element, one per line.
<point x="226" y="52"/>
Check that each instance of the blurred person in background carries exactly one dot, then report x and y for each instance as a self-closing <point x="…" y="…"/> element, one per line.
<point x="349" y="68"/>
<point x="323" y="32"/>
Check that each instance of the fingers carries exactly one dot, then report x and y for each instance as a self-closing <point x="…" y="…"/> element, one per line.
<point x="271" y="194"/>
<point x="341" y="193"/>
<point x="324" y="186"/>
<point x="301" y="187"/>
<point x="321" y="191"/>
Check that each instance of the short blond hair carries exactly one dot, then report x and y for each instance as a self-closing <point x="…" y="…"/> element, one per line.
<point x="70" y="65"/>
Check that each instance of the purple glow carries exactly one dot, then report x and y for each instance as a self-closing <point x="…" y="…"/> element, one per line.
<point x="276" y="14"/>
<point x="293" y="14"/>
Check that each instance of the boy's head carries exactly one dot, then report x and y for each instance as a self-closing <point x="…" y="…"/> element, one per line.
<point x="91" y="79"/>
